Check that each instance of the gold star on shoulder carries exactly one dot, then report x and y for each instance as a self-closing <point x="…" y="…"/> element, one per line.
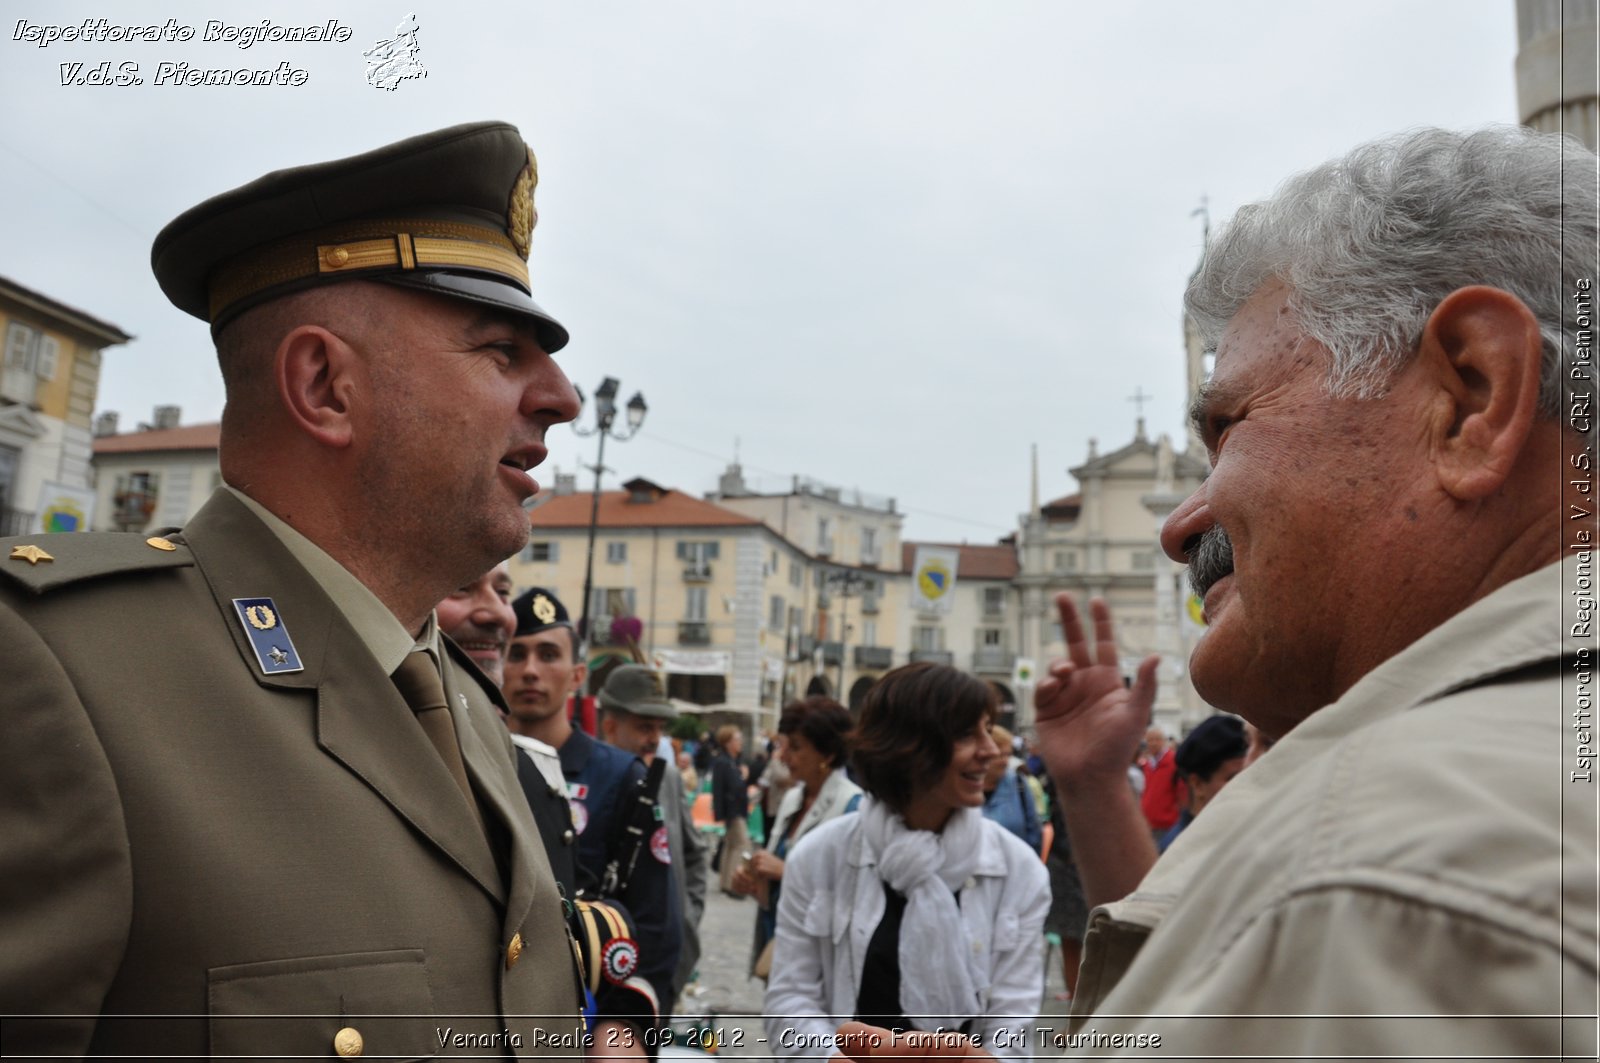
<point x="30" y="553"/>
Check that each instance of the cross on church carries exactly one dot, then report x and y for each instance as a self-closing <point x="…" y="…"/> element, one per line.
<point x="1139" y="398"/>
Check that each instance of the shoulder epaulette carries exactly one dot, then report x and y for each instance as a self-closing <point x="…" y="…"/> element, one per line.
<point x="42" y="563"/>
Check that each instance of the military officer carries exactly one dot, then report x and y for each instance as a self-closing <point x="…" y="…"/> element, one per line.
<point x="542" y="672"/>
<point x="251" y="802"/>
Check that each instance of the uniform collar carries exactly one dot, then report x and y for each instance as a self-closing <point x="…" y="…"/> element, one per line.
<point x="373" y="623"/>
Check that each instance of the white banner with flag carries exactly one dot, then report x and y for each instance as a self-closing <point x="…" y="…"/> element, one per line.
<point x="933" y="578"/>
<point x="692" y="662"/>
<point x="63" y="508"/>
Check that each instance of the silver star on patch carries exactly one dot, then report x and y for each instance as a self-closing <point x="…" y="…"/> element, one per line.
<point x="278" y="656"/>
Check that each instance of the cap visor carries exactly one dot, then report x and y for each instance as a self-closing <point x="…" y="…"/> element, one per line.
<point x="552" y="334"/>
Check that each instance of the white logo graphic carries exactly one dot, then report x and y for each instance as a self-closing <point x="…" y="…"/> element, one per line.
<point x="395" y="60"/>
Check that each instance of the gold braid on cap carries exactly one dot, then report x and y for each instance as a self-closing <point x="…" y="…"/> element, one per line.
<point x="373" y="245"/>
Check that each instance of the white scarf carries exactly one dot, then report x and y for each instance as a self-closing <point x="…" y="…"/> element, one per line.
<point x="936" y="984"/>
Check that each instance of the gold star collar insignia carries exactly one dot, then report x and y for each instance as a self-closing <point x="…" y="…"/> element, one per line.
<point x="30" y="553"/>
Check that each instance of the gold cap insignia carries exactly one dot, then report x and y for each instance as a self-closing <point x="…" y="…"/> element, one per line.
<point x="543" y="608"/>
<point x="521" y="216"/>
<point x="159" y="543"/>
<point x="30" y="553"/>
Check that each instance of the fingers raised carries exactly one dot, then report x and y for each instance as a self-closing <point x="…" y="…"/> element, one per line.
<point x="1072" y="630"/>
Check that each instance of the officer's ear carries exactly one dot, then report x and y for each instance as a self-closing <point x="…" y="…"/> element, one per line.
<point x="316" y="374"/>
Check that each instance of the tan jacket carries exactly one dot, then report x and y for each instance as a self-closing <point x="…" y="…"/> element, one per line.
<point x="254" y="862"/>
<point x="1411" y="855"/>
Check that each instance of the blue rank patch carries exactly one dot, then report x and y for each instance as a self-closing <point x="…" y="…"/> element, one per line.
<point x="268" y="637"/>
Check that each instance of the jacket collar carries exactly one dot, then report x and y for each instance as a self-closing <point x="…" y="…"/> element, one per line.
<point x="1516" y="627"/>
<point x="361" y="720"/>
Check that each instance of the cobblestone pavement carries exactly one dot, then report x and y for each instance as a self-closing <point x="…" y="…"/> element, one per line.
<point x="727" y="1000"/>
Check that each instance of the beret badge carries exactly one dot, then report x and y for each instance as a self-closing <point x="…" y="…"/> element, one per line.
<point x="544" y="609"/>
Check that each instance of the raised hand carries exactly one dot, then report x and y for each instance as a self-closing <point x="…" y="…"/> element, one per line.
<point x="1089" y="723"/>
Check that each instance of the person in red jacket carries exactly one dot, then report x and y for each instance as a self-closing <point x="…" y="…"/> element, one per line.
<point x="1163" y="797"/>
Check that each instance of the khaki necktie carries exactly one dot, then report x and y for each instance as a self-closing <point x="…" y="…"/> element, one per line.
<point x="419" y="683"/>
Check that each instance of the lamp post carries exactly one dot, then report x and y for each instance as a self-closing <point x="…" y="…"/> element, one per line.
<point x="605" y="413"/>
<point x="844" y="581"/>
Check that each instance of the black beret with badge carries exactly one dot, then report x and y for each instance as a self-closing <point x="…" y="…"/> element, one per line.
<point x="538" y="609"/>
<point x="449" y="212"/>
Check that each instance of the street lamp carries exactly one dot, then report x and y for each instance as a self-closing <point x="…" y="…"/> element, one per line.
<point x="845" y="581"/>
<point x="605" y="414"/>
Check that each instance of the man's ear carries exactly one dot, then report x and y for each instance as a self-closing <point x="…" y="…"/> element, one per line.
<point x="1481" y="348"/>
<point x="315" y="372"/>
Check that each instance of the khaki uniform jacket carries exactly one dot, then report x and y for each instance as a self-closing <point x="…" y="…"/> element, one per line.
<point x="199" y="859"/>
<point x="1411" y="855"/>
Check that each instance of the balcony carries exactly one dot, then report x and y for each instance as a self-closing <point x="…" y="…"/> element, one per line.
<point x="697" y="572"/>
<point x="694" y="633"/>
<point x="832" y="653"/>
<point x="990" y="659"/>
<point x="874" y="657"/>
<point x="933" y="656"/>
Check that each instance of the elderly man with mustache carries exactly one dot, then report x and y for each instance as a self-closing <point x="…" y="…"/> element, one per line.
<point x="1395" y="553"/>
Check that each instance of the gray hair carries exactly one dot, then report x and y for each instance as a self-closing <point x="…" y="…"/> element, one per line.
<point x="1370" y="244"/>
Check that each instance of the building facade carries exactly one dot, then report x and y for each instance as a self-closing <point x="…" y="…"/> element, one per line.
<point x="49" y="381"/>
<point x="702" y="593"/>
<point x="1103" y="541"/>
<point x="157" y="477"/>
<point x="737" y="614"/>
<point x="1556" y="70"/>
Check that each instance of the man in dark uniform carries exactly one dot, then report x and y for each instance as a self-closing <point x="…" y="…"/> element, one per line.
<point x="251" y="802"/>
<point x="542" y="672"/>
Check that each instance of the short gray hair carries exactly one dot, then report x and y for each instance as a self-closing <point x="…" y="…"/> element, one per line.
<point x="1370" y="244"/>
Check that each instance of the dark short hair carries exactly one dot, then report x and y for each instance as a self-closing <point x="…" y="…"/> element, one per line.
<point x="821" y="721"/>
<point x="1214" y="741"/>
<point x="908" y="726"/>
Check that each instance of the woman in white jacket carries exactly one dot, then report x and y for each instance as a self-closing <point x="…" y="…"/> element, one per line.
<point x="917" y="912"/>
<point x="814" y="736"/>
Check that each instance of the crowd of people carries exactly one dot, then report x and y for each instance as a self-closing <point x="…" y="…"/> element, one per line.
<point x="383" y="834"/>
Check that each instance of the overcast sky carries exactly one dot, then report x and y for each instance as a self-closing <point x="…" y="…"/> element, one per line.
<point x="885" y="244"/>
